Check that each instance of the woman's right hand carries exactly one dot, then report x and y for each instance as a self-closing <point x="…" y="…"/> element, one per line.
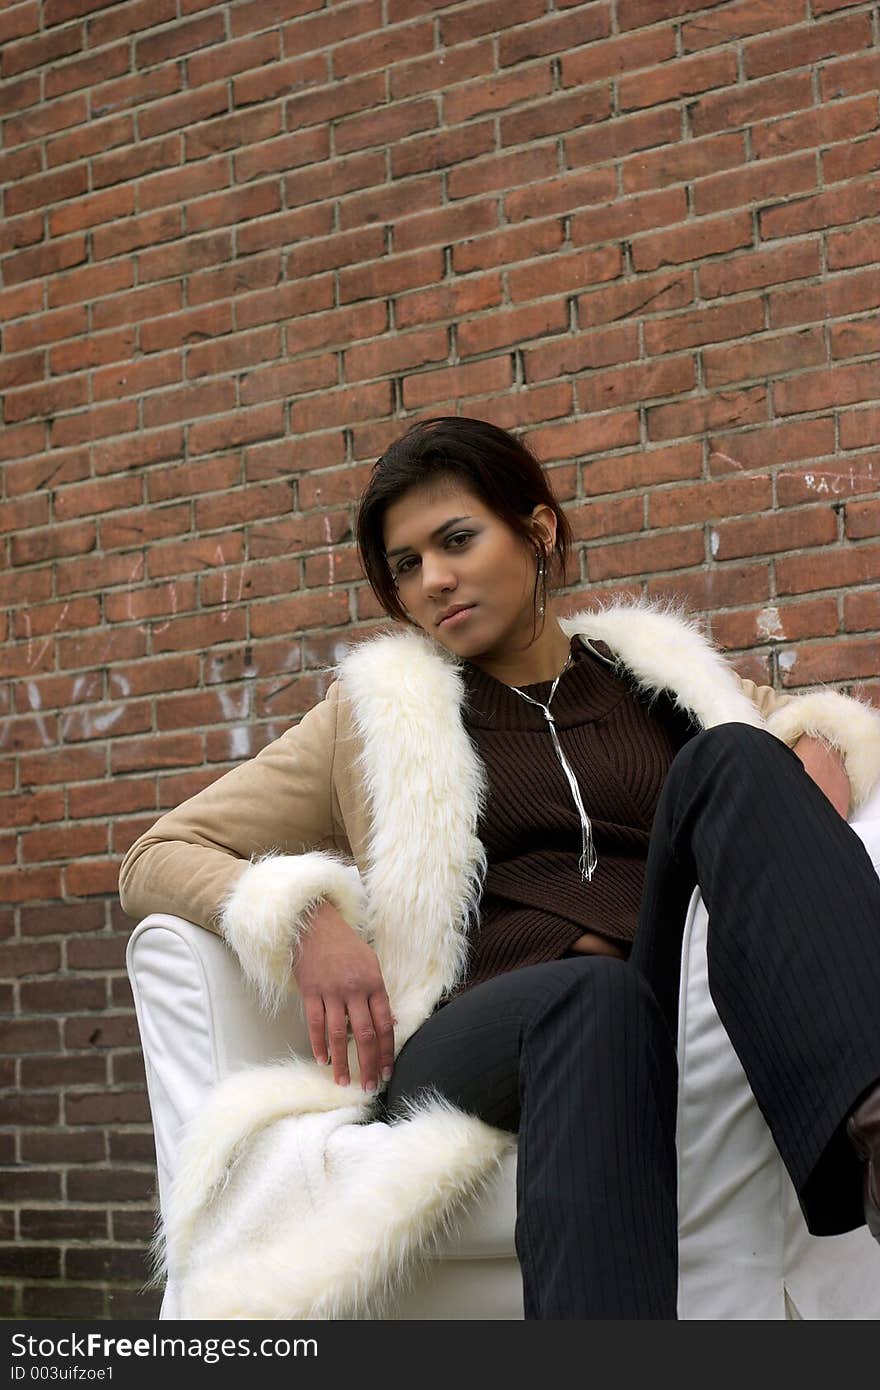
<point x="338" y="973"/>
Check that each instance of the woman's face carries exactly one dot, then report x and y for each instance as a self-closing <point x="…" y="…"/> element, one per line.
<point x="445" y="548"/>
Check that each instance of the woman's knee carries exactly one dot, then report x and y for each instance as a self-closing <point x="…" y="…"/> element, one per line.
<point x="743" y="745"/>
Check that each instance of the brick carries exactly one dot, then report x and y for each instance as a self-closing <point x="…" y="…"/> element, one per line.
<point x="708" y="236"/>
<point x="859" y="427"/>
<point x="764" y="357"/>
<point x="678" y="506"/>
<point x="718" y="588"/>
<point x="787" y="623"/>
<point x="643" y="470"/>
<point x="91" y="211"/>
<point x="861" y="611"/>
<point x="93" y="351"/>
<point x="104" y="1031"/>
<point x="615" y="517"/>
<point x="56" y="1301"/>
<point x="497" y="172"/>
<point x="40" y="546"/>
<point x="513" y="326"/>
<point x="226" y="59"/>
<point x="160" y="751"/>
<point x="138" y="526"/>
<point x="615" y="55"/>
<point x="862" y="519"/>
<point x="850" y="75"/>
<point x="674" y="550"/>
<point x="717" y="324"/>
<point x="839" y="660"/>
<point x="750" y="103"/>
<point x="112" y="798"/>
<point x="833" y="386"/>
<point x="632" y="14"/>
<point x="141" y="89"/>
<point x="855" y="339"/>
<point x="679" y="162"/>
<point x="355" y="403"/>
<point x="775" y="532"/>
<point x="118" y="20"/>
<point x="521" y="243"/>
<point x="622" y="136"/>
<point x="830" y="209"/>
<point x="560" y="195"/>
<point x="555" y="34"/>
<point x="741" y="19"/>
<point x="449" y="69"/>
<point x="755" y="184"/>
<point x="446" y="226"/>
<point x="449" y="302"/>
<point x="700" y="414"/>
<point x="836" y="296"/>
<point x="653" y="294"/>
<point x="31" y="1110"/>
<point x="33" y="1184"/>
<point x="822" y="125"/>
<point x="51" y="1073"/>
<point x="50" y="399"/>
<point x="63" y="995"/>
<point x="850" y="160"/>
<point x="674" y="81"/>
<point x="585" y="436"/>
<point x="91" y="282"/>
<point x="30" y="1261"/>
<point x="757" y="269"/>
<point x="640" y="382"/>
<point x="457" y="382"/>
<point x="798" y="47"/>
<point x="299" y="612"/>
<point x="261" y="422"/>
<point x="254" y="273"/>
<point x="31" y="807"/>
<point x="189" y="557"/>
<point x="38" y="52"/>
<point x="110" y="1184"/>
<point x="77" y="1146"/>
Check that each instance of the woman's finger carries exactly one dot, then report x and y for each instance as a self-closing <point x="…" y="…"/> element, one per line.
<point x="364" y="1032"/>
<point x="316" y="1022"/>
<point x="337" y="1037"/>
<point x="384" y="1022"/>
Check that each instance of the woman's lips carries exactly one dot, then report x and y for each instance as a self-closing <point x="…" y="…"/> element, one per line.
<point x="457" y="617"/>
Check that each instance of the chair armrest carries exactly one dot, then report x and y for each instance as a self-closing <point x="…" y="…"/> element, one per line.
<point x="198" y="1021"/>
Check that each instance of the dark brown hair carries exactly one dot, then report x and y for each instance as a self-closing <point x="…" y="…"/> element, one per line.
<point x="489" y="461"/>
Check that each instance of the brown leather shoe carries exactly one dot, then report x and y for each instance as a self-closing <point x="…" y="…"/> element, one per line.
<point x="863" y="1128"/>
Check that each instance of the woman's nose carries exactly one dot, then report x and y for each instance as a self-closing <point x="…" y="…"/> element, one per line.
<point x="437" y="573"/>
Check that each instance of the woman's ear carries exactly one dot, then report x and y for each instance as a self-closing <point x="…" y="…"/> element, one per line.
<point x="544" y="526"/>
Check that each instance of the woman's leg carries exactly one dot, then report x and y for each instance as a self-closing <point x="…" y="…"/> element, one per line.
<point x="793" y="945"/>
<point x="575" y="1057"/>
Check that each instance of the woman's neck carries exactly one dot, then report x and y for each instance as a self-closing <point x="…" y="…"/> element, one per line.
<point x="543" y="660"/>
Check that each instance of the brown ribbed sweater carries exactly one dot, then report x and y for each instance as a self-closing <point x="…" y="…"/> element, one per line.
<point x="534" y="903"/>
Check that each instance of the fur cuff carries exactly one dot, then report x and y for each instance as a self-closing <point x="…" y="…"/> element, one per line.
<point x="851" y="726"/>
<point x="261" y="918"/>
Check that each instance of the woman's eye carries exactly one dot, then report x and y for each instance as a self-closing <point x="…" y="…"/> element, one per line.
<point x="404" y="566"/>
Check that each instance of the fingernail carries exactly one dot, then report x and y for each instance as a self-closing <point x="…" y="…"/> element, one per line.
<point x="386" y="1073"/>
<point x="344" y="1081"/>
<point x="370" y="1086"/>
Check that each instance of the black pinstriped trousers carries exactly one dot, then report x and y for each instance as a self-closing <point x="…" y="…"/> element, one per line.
<point x="577" y="1057"/>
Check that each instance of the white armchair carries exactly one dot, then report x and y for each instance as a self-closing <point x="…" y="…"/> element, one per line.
<point x="745" y="1252"/>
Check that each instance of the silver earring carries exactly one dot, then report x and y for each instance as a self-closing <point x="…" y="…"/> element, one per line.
<point x="540" y="555"/>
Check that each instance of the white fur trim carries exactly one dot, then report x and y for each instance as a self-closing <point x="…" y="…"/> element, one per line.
<point x="364" y="1206"/>
<point x="261" y="918"/>
<point x="425" y="863"/>
<point x="850" y="725"/>
<point x="664" y="649"/>
<point x="363" y="1203"/>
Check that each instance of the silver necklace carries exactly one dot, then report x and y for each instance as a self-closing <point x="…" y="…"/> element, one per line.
<point x="587" y="862"/>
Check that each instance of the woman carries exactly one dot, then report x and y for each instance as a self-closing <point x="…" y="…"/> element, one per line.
<point x="523" y="796"/>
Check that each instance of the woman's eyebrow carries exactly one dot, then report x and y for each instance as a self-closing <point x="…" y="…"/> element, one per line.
<point x="453" y="520"/>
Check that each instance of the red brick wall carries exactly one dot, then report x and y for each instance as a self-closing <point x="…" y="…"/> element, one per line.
<point x="243" y="245"/>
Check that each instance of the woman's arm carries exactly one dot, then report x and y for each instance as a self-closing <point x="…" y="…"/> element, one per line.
<point x="834" y="735"/>
<point x="825" y="766"/>
<point x="248" y="856"/>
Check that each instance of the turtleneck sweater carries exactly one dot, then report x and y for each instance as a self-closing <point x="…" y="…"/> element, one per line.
<point x="620" y="744"/>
